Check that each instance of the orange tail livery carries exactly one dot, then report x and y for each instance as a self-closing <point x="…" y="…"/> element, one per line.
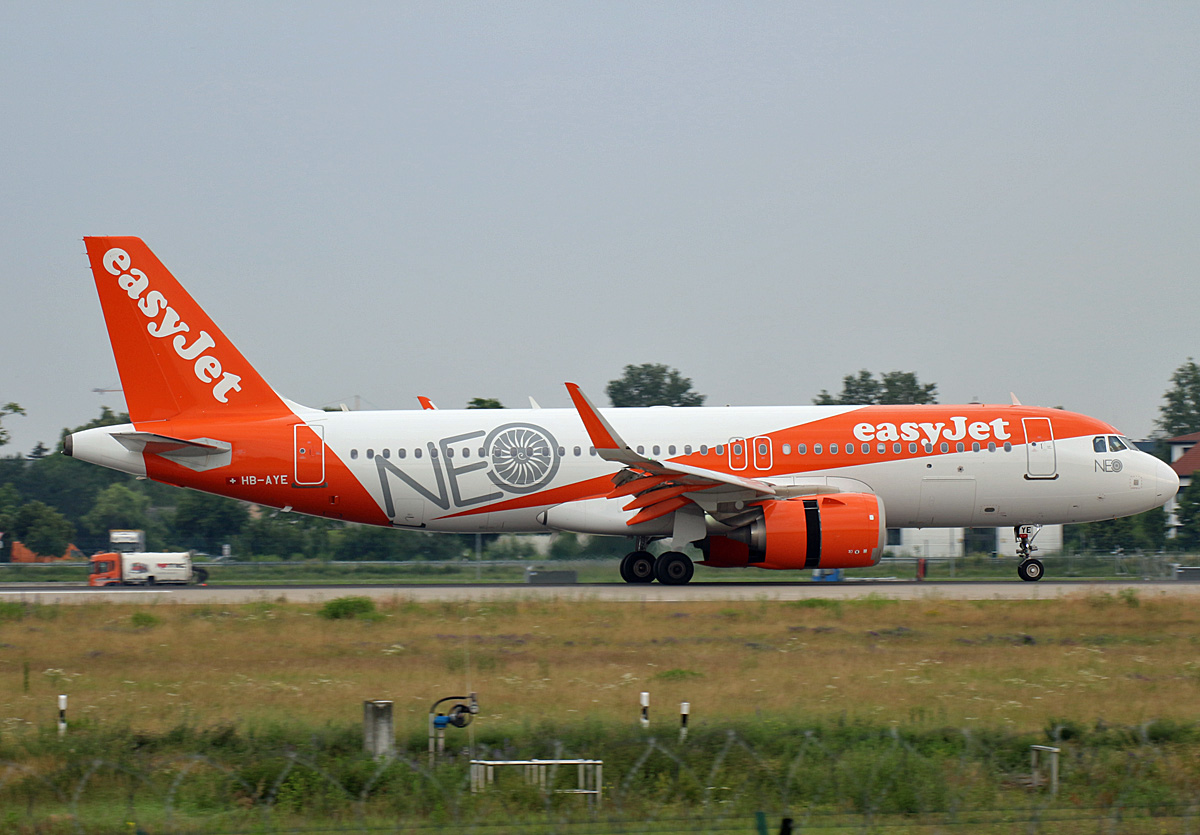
<point x="767" y="487"/>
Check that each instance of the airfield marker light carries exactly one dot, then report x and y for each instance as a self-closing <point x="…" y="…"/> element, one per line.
<point x="645" y="709"/>
<point x="684" y="709"/>
<point x="62" y="714"/>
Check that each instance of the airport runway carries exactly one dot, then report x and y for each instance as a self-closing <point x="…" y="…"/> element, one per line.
<point x="621" y="592"/>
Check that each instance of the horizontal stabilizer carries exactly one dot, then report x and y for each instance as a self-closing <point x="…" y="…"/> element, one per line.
<point x="197" y="454"/>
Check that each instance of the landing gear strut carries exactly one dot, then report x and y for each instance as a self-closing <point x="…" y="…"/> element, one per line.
<point x="1029" y="569"/>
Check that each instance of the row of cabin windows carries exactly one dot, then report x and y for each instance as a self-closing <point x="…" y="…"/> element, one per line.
<point x="719" y="449"/>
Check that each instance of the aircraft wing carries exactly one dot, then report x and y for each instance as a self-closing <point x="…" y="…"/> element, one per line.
<point x="657" y="487"/>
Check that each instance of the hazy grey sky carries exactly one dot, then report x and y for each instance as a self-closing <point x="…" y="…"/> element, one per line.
<point x="463" y="200"/>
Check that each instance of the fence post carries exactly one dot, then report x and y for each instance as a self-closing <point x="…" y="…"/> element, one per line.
<point x="645" y="709"/>
<point x="684" y="709"/>
<point x="62" y="714"/>
<point x="379" y="738"/>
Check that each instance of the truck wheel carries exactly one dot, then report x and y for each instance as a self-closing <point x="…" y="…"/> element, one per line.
<point x="199" y="576"/>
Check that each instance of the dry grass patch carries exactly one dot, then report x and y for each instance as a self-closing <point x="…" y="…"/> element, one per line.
<point x="1014" y="664"/>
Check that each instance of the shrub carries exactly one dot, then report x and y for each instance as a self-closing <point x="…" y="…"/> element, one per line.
<point x="345" y="608"/>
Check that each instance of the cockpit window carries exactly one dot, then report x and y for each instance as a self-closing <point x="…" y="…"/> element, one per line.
<point x="1114" y="444"/>
<point x="1098" y="444"/>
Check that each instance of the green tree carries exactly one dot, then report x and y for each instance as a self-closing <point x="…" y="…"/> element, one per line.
<point x="205" y="522"/>
<point x="652" y="384"/>
<point x="10" y="501"/>
<point x="117" y="507"/>
<point x="1180" y="410"/>
<point x="1187" y="518"/>
<point x="43" y="529"/>
<point x="485" y="403"/>
<point x="6" y="410"/>
<point x="891" y="389"/>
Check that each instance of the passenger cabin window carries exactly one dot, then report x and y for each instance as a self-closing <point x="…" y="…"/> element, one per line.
<point x="787" y="449"/>
<point x="1098" y="444"/>
<point x="416" y="452"/>
<point x="671" y="449"/>
<point x="578" y="452"/>
<point x="801" y="449"/>
<point x="370" y="454"/>
<point x="656" y="450"/>
<point x="816" y="449"/>
<point x="687" y="449"/>
<point x="912" y="449"/>
<point x="1115" y="445"/>
<point x="833" y="449"/>
<point x="703" y="449"/>
<point x="387" y="453"/>
<point x="719" y="449"/>
<point x="641" y="450"/>
<point x="991" y="446"/>
<point x="401" y="452"/>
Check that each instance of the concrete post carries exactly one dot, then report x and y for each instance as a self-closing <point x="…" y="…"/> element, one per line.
<point x="379" y="737"/>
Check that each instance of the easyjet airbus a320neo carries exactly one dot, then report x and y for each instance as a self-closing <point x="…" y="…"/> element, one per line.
<point x="777" y="487"/>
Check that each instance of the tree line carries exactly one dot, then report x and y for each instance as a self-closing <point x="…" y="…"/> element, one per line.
<point x="48" y="501"/>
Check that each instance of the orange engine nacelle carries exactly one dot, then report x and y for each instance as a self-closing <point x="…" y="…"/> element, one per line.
<point x="840" y="530"/>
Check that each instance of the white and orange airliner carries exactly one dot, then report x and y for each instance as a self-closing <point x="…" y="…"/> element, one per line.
<point x="768" y="487"/>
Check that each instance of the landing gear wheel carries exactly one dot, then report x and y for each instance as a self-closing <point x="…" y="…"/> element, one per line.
<point x="673" y="569"/>
<point x="637" y="567"/>
<point x="1031" y="570"/>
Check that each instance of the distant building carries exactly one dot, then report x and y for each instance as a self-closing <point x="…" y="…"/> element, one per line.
<point x="22" y="554"/>
<point x="940" y="543"/>
<point x="1184" y="460"/>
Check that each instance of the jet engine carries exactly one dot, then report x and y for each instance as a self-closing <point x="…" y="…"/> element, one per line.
<point x="837" y="530"/>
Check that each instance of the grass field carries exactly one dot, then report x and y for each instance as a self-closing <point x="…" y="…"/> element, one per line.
<point x="1119" y="657"/>
<point x="903" y="713"/>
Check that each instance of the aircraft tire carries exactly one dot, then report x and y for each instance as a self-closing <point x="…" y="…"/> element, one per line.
<point x="1031" y="570"/>
<point x="637" y="567"/>
<point x="673" y="569"/>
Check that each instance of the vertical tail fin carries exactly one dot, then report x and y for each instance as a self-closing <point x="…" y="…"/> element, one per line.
<point x="173" y="360"/>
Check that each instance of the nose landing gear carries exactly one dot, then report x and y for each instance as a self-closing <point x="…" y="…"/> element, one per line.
<point x="1030" y="569"/>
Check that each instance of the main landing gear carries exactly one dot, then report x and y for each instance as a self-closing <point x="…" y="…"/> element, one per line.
<point x="671" y="569"/>
<point x="1030" y="569"/>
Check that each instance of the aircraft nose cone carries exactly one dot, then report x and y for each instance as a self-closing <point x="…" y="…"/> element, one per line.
<point x="1168" y="482"/>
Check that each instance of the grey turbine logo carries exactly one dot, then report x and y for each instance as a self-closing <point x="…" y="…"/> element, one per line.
<point x="524" y="457"/>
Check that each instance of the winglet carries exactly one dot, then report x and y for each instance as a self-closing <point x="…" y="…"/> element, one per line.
<point x="426" y="403"/>
<point x="1015" y="401"/>
<point x="609" y="445"/>
<point x="603" y="436"/>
